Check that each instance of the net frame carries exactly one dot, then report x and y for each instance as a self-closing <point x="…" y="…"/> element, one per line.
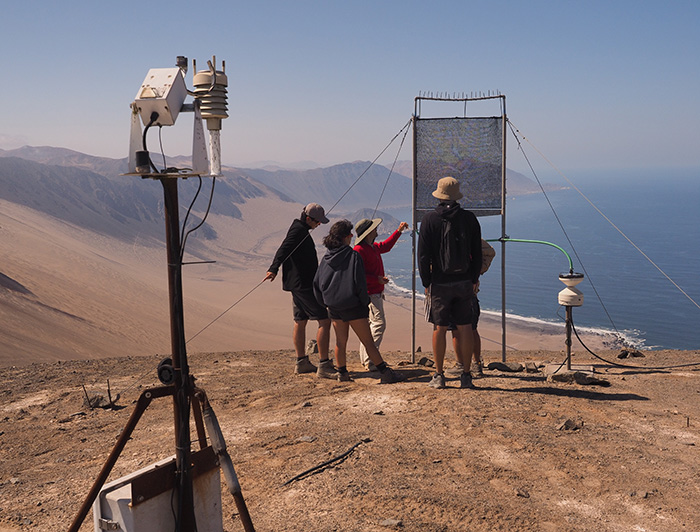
<point x="480" y="199"/>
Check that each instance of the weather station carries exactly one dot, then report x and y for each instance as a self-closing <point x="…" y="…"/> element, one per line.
<point x="181" y="492"/>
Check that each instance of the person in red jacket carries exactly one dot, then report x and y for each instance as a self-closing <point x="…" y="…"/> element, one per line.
<point x="371" y="253"/>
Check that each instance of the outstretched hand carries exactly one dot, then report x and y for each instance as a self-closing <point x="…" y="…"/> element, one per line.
<point x="402" y="227"/>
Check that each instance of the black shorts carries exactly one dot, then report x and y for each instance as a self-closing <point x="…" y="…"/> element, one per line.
<point x="349" y="314"/>
<point x="306" y="306"/>
<point x="476" y="310"/>
<point x="451" y="303"/>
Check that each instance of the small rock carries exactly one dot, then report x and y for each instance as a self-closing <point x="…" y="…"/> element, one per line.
<point x="305" y="404"/>
<point x="510" y="367"/>
<point x="419" y="350"/>
<point x="522" y="492"/>
<point x="578" y="377"/>
<point x="570" y="424"/>
<point x="630" y="353"/>
<point x="392" y="523"/>
<point x="379" y="413"/>
<point x="531" y="367"/>
<point x="311" y="347"/>
<point x="308" y="439"/>
<point x="425" y="361"/>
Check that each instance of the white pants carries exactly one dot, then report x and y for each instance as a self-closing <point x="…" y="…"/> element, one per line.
<point x="377" y="324"/>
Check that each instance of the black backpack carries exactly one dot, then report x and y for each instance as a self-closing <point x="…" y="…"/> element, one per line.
<point x="454" y="245"/>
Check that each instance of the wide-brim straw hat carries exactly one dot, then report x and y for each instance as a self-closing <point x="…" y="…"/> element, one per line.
<point x="448" y="189"/>
<point x="364" y="227"/>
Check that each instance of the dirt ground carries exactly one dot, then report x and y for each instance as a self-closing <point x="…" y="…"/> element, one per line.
<point x="518" y="453"/>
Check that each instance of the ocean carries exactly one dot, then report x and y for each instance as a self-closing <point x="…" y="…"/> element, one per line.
<point x="658" y="210"/>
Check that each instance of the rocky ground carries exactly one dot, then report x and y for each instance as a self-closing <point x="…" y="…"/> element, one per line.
<point x="518" y="453"/>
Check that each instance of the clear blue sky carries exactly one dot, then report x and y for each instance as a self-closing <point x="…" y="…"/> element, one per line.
<point x="591" y="84"/>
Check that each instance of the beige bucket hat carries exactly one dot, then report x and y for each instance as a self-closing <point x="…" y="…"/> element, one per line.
<point x="448" y="189"/>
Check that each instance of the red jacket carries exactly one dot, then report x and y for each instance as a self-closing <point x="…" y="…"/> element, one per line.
<point x="371" y="256"/>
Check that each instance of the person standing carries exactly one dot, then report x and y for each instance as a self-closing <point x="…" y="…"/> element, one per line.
<point x="449" y="261"/>
<point x="340" y="285"/>
<point x="371" y="253"/>
<point x="297" y="256"/>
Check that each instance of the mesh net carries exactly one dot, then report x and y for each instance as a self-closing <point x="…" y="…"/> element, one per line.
<point x="468" y="149"/>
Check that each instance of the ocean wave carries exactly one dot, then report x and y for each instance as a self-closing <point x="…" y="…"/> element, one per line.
<point x="630" y="337"/>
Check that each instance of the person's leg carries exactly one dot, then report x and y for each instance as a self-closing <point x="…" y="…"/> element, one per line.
<point x="299" y="338"/>
<point x="377" y="325"/>
<point x="439" y="346"/>
<point x="363" y="332"/>
<point x="465" y="345"/>
<point x="323" y="338"/>
<point x="341" y="329"/>
<point x="476" y="347"/>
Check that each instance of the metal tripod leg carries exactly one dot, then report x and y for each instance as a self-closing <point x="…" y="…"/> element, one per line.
<point x="219" y="445"/>
<point x="141" y="405"/>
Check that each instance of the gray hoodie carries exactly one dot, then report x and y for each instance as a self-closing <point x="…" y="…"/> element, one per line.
<point x="340" y="279"/>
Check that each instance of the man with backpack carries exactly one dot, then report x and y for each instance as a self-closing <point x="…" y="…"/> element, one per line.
<point x="449" y="262"/>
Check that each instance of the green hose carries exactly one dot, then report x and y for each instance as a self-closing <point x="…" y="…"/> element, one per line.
<point x="571" y="264"/>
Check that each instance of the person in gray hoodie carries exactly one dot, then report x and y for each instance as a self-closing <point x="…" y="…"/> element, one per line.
<point x="340" y="285"/>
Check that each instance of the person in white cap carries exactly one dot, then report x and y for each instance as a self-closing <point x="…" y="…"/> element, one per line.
<point x="449" y="262"/>
<point x="297" y="256"/>
<point x="371" y="253"/>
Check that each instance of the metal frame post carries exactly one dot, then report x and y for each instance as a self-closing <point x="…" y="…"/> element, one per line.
<point x="183" y="386"/>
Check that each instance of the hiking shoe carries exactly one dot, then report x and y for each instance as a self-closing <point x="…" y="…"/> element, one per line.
<point x="326" y="370"/>
<point x="465" y="381"/>
<point x="343" y="377"/>
<point x="390" y="377"/>
<point x="304" y="366"/>
<point x="477" y="371"/>
<point x="438" y="381"/>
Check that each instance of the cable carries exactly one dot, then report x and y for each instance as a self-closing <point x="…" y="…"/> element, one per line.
<point x="370" y="165"/>
<point x="204" y="218"/>
<point x="390" y="172"/>
<point x="154" y="117"/>
<point x="626" y="365"/>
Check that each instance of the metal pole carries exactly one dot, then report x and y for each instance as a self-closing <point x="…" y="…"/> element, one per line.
<point x="568" y="338"/>
<point x="503" y="235"/>
<point x="413" y="249"/>
<point x="183" y="385"/>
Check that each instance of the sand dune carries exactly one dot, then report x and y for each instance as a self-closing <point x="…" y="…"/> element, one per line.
<point x="92" y="296"/>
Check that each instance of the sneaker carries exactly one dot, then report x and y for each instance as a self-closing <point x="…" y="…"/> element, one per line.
<point x="438" y="381"/>
<point x="477" y="371"/>
<point x="326" y="370"/>
<point x="390" y="377"/>
<point x="344" y="377"/>
<point x="371" y="367"/>
<point x="304" y="366"/>
<point x="465" y="381"/>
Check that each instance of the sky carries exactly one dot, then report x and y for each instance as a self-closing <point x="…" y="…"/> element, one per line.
<point x="597" y="84"/>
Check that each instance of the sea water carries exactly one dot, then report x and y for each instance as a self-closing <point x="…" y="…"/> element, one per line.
<point x="630" y="280"/>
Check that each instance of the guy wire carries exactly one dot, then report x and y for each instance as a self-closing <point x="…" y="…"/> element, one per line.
<point x="391" y="170"/>
<point x="609" y="221"/>
<point x="590" y="280"/>
<point x="307" y="236"/>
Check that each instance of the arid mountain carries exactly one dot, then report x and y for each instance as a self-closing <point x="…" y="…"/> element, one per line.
<point x="83" y="273"/>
